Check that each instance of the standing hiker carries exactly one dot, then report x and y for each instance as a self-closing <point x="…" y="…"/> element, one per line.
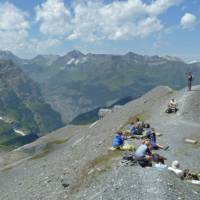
<point x="189" y="77"/>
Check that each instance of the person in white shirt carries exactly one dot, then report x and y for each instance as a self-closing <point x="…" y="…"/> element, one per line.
<point x="172" y="106"/>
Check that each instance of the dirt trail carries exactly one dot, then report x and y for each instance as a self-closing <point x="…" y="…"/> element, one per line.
<point x="92" y="172"/>
<point x="137" y="183"/>
<point x="184" y="124"/>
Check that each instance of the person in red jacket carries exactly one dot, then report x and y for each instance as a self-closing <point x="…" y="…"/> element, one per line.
<point x="189" y="77"/>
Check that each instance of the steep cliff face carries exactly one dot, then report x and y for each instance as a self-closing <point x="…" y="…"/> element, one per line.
<point x="22" y="105"/>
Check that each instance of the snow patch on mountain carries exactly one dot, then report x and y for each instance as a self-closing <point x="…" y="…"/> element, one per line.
<point x="192" y="62"/>
<point x="77" y="61"/>
<point x="70" y="61"/>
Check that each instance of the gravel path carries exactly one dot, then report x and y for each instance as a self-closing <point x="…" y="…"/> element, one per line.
<point x="81" y="167"/>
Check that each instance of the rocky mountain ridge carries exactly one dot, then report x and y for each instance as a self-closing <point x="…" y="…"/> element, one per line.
<point x="77" y="83"/>
<point x="82" y="83"/>
<point x="75" y="161"/>
<point x="23" y="110"/>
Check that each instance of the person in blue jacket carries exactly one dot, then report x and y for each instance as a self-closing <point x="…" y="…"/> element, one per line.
<point x="118" y="140"/>
<point x="133" y="129"/>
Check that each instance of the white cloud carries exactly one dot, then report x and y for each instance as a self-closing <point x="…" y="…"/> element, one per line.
<point x="20" y="44"/>
<point x="89" y="20"/>
<point x="188" y="21"/>
<point x="85" y="20"/>
<point x="40" y="46"/>
<point x="148" y="26"/>
<point x="118" y="20"/>
<point x="54" y="17"/>
<point x="159" y="6"/>
<point x="11" y="18"/>
<point x="13" y="27"/>
<point x="14" y="33"/>
<point x="12" y="40"/>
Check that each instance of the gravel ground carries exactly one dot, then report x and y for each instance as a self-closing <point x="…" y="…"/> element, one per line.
<point x="75" y="163"/>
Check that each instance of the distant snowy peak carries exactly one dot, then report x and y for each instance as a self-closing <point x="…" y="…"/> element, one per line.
<point x="157" y="60"/>
<point x="72" y="58"/>
<point x="172" y="58"/>
<point x="70" y="61"/>
<point x="151" y="60"/>
<point x="77" y="61"/>
<point x="156" y="63"/>
<point x="193" y="62"/>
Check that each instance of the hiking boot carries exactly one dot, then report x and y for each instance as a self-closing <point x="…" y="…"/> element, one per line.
<point x="165" y="148"/>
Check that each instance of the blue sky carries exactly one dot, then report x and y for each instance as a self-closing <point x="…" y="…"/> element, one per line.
<point x="163" y="27"/>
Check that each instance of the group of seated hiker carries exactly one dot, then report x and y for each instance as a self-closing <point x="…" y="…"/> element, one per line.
<point x="143" y="153"/>
<point x="136" y="128"/>
<point x="172" y="106"/>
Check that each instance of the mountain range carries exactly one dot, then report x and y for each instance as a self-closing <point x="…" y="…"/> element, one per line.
<point x="76" y="162"/>
<point x="76" y="83"/>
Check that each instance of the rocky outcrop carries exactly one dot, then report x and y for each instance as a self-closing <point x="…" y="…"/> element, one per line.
<point x="75" y="163"/>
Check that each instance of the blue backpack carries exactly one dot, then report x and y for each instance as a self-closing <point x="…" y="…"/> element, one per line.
<point x="133" y="129"/>
<point x="118" y="141"/>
